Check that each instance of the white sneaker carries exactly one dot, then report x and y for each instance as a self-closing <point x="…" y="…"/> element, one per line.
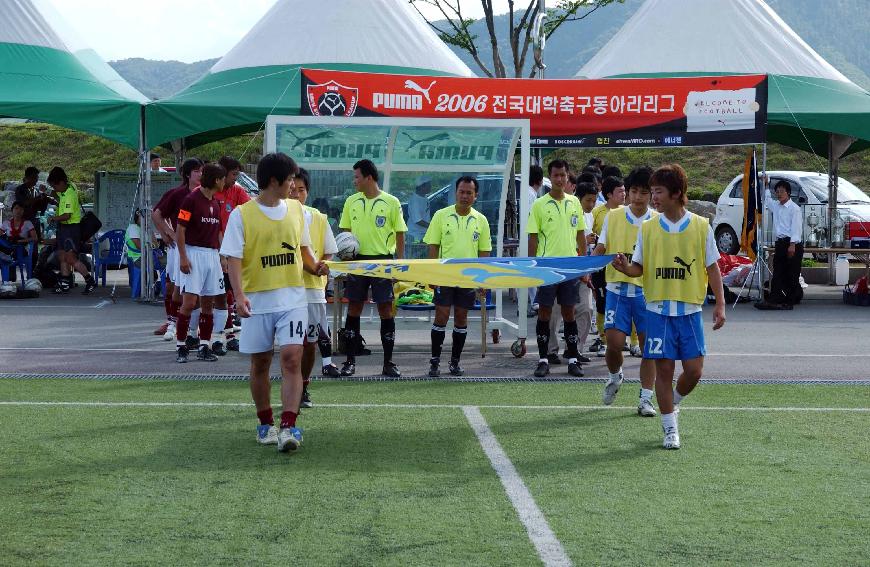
<point x="610" y="390"/>
<point x="645" y="408"/>
<point x="676" y="409"/>
<point x="267" y="435"/>
<point x="602" y="350"/>
<point x="169" y="335"/>
<point x="636" y="351"/>
<point x="672" y="438"/>
<point x="289" y="439"/>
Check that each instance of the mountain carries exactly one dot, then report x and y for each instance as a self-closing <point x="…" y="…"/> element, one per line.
<point x="834" y="28"/>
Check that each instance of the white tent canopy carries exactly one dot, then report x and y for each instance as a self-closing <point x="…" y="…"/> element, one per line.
<point x="716" y="36"/>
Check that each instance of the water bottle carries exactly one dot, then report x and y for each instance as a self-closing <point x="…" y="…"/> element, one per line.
<point x="841" y="269"/>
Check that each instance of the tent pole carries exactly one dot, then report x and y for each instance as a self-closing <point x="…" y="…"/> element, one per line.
<point x="146" y="273"/>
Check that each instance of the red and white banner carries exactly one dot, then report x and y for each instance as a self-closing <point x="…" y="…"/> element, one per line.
<point x="674" y="111"/>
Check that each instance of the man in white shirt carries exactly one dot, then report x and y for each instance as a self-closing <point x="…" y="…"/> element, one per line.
<point x="785" y="289"/>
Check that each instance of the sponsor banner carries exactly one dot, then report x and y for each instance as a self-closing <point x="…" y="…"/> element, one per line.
<point x="673" y="111"/>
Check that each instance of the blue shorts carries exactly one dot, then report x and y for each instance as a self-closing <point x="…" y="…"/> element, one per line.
<point x="621" y="311"/>
<point x="674" y="338"/>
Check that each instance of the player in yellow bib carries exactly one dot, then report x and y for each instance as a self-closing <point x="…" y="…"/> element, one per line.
<point x="457" y="231"/>
<point x="556" y="228"/>
<point x="675" y="255"/>
<point x="625" y="305"/>
<point x="375" y="218"/>
<point x="267" y="246"/>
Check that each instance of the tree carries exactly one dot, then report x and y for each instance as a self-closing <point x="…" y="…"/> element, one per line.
<point x="455" y="29"/>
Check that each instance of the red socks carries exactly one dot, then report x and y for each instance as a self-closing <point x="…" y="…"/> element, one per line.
<point x="288" y="419"/>
<point x="265" y="417"/>
<point x="206" y="322"/>
<point x="181" y="328"/>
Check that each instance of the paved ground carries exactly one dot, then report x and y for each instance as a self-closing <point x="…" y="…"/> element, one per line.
<point x="822" y="339"/>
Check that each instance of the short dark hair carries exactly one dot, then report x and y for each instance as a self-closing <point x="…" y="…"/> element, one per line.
<point x="639" y="177"/>
<point x="594" y="170"/>
<point x="211" y="172"/>
<point x="611" y="171"/>
<point x="782" y="183"/>
<point x="673" y="178"/>
<point x="188" y="167"/>
<point x="585" y="188"/>
<point x="278" y="166"/>
<point x="302" y="175"/>
<point x="367" y="168"/>
<point x="31" y="172"/>
<point x="609" y="185"/>
<point x="230" y="163"/>
<point x="16" y="204"/>
<point x="468" y="179"/>
<point x="588" y="177"/>
<point x="536" y="175"/>
<point x="558" y="164"/>
<point x="572" y="179"/>
<point x="153" y="157"/>
<point x="595" y="161"/>
<point x="56" y="175"/>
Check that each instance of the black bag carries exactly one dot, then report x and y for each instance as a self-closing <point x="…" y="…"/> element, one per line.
<point x="89" y="226"/>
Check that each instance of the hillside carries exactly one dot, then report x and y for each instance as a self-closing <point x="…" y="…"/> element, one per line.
<point x="709" y="169"/>
<point x="834" y="30"/>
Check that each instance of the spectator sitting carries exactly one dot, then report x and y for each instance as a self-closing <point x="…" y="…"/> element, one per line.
<point x="16" y="229"/>
<point x="133" y="241"/>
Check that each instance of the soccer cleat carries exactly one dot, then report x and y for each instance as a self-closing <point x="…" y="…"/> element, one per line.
<point x="218" y="348"/>
<point x="192" y="342"/>
<point x="205" y="353"/>
<point x="626" y="347"/>
<point x="602" y="350"/>
<point x="645" y="408"/>
<point x="391" y="370"/>
<point x="348" y="368"/>
<point x="306" y="398"/>
<point x="553" y="358"/>
<point x="636" y="351"/>
<point x="267" y="435"/>
<point x="161" y="329"/>
<point x="181" y="354"/>
<point x="289" y="439"/>
<point x="330" y="370"/>
<point x="574" y="369"/>
<point x="610" y="390"/>
<point x="233" y="344"/>
<point x="595" y="345"/>
<point x="542" y="369"/>
<point x="61" y="287"/>
<point x="455" y="369"/>
<point x="581" y="358"/>
<point x="434" y="371"/>
<point x="672" y="438"/>
<point x="90" y="286"/>
<point x="169" y="335"/>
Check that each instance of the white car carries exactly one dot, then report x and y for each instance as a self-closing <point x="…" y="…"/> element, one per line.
<point x="808" y="189"/>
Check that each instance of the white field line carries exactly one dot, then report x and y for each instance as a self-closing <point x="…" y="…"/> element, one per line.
<point x="796" y="409"/>
<point x="549" y="548"/>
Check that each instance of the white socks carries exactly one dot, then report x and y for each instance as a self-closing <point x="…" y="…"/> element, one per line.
<point x="646" y="394"/>
<point x="193" y="330"/>
<point x="220" y="321"/>
<point x="669" y="421"/>
<point x="677" y="397"/>
<point x="614" y="376"/>
<point x="327" y="361"/>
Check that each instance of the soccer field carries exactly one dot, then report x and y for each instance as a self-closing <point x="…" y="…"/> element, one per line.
<point x="431" y="473"/>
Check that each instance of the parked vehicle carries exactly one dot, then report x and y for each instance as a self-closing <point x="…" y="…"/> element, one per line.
<point x="809" y="190"/>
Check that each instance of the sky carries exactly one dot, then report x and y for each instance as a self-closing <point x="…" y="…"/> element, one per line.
<point x="185" y="30"/>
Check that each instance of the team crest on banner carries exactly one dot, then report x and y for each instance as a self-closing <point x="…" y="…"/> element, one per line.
<point x="380" y="221"/>
<point x="332" y="99"/>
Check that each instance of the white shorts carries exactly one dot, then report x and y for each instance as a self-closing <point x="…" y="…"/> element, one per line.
<point x="261" y="332"/>
<point x="206" y="278"/>
<point x="172" y="270"/>
<point x="317" y="320"/>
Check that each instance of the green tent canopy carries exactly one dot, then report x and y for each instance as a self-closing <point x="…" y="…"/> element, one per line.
<point x="260" y="75"/>
<point x="44" y="78"/>
<point x="808" y="99"/>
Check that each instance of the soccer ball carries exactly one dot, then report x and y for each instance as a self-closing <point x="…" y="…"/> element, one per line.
<point x="331" y="104"/>
<point x="348" y="246"/>
<point x="33" y="284"/>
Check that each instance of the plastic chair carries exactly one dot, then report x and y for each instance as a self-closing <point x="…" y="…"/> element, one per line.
<point x="135" y="275"/>
<point x="114" y="256"/>
<point x="22" y="262"/>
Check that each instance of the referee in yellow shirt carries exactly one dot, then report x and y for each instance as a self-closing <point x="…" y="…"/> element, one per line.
<point x="375" y="218"/>
<point x="457" y="231"/>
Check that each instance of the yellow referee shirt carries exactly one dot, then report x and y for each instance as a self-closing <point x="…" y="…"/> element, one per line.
<point x="556" y="223"/>
<point x="459" y="236"/>
<point x="374" y="222"/>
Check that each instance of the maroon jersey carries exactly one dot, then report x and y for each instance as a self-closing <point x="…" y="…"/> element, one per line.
<point x="170" y="203"/>
<point x="201" y="219"/>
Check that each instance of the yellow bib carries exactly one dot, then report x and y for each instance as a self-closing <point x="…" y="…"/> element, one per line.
<point x="317" y="230"/>
<point x="272" y="257"/>
<point x="621" y="237"/>
<point x="675" y="263"/>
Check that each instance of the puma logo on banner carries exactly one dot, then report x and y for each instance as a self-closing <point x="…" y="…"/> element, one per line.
<point x="413" y="86"/>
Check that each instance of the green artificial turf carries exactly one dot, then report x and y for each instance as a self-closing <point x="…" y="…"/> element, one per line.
<point x="178" y="485"/>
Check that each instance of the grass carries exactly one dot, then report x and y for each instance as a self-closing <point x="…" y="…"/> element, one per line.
<point x="709" y="169"/>
<point x="402" y="486"/>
